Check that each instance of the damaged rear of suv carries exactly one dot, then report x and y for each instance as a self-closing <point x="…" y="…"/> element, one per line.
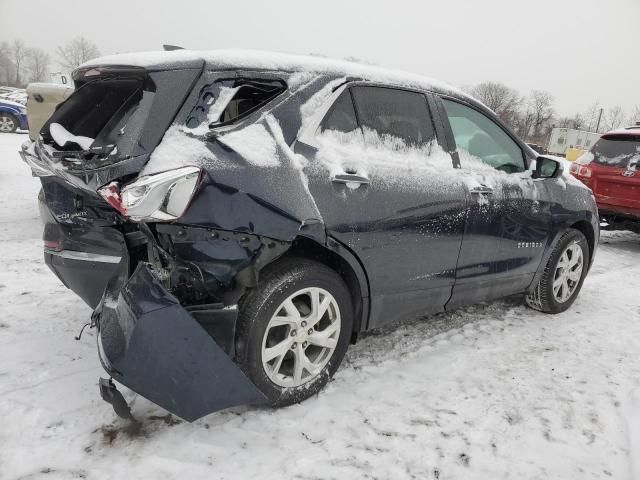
<point x="235" y="219"/>
<point x="163" y="251"/>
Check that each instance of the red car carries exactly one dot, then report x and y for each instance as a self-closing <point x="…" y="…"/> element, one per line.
<point x="612" y="170"/>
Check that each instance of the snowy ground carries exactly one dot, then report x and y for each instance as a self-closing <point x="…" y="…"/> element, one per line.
<point x="489" y="392"/>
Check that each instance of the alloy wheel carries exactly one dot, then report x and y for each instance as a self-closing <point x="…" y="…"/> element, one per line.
<point x="301" y="337"/>
<point x="7" y="124"/>
<point x="568" y="272"/>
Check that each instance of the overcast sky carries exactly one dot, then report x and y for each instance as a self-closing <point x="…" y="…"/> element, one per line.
<point x="579" y="50"/>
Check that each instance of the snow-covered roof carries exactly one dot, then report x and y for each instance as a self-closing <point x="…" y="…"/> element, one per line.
<point x="273" y="61"/>
<point x="630" y="131"/>
<point x="10" y="103"/>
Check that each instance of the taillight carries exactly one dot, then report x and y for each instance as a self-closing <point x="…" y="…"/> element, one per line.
<point x="52" y="245"/>
<point x="580" y="170"/>
<point x="111" y="193"/>
<point x="160" y="197"/>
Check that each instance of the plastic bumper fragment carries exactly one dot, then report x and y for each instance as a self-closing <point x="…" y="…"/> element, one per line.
<point x="148" y="342"/>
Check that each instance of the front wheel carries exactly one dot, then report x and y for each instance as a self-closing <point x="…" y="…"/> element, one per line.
<point x="563" y="275"/>
<point x="294" y="329"/>
<point x="8" y="123"/>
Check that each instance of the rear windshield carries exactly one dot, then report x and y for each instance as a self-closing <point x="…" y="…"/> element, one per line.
<point x="620" y="151"/>
<point x="119" y="115"/>
<point x="96" y="113"/>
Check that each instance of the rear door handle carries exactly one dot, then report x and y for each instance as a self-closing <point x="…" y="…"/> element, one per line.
<point x="482" y="190"/>
<point x="350" y="178"/>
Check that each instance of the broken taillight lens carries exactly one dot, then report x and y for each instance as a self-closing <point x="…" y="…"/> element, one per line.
<point x="160" y="197"/>
<point x="579" y="170"/>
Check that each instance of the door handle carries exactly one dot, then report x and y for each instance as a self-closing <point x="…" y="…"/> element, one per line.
<point x="350" y="178"/>
<point x="482" y="190"/>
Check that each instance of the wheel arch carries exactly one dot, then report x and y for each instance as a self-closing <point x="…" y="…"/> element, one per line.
<point x="585" y="227"/>
<point x="342" y="261"/>
<point x="587" y="230"/>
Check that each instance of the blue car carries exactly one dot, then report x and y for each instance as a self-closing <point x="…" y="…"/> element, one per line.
<point x="13" y="116"/>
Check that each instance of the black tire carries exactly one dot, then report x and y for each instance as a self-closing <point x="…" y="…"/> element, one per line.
<point x="7" y="117"/>
<point x="277" y="283"/>
<point x="542" y="297"/>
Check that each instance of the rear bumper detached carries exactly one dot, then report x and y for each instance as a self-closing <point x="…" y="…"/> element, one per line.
<point x="148" y="342"/>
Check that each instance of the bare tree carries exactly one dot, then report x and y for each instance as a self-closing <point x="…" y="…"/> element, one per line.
<point x="38" y="63"/>
<point x="503" y="100"/>
<point x="613" y="118"/>
<point x="591" y="116"/>
<point x="6" y="65"/>
<point x="525" y="123"/>
<point x="18" y="54"/>
<point x="76" y="52"/>
<point x="577" y="122"/>
<point x="541" y="106"/>
<point x="634" y="116"/>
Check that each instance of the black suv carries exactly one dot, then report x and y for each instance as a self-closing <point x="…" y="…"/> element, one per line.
<point x="237" y="218"/>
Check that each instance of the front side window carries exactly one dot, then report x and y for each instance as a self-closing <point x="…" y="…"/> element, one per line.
<point x="392" y="115"/>
<point x="341" y="117"/>
<point x="478" y="138"/>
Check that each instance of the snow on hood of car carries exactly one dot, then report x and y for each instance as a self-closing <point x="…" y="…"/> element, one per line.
<point x="274" y="61"/>
<point x="11" y="103"/>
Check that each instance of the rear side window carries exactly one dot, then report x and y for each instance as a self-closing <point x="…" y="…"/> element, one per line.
<point x="226" y="101"/>
<point x="617" y="151"/>
<point x="392" y="114"/>
<point x="482" y="139"/>
<point x="249" y="97"/>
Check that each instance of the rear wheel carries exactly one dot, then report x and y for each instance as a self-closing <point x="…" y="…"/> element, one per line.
<point x="8" y="123"/>
<point x="294" y="329"/>
<point x="563" y="275"/>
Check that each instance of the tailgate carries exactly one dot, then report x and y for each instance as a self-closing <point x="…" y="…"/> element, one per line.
<point x="618" y="187"/>
<point x="110" y="125"/>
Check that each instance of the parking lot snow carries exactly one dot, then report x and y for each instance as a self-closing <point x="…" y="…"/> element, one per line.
<point x="492" y="391"/>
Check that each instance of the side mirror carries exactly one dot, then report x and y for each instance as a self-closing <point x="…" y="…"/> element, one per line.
<point x="547" y="167"/>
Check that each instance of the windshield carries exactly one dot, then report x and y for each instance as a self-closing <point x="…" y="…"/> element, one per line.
<point x="620" y="151"/>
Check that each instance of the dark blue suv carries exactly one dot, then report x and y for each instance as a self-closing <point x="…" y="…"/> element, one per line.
<point x="236" y="219"/>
